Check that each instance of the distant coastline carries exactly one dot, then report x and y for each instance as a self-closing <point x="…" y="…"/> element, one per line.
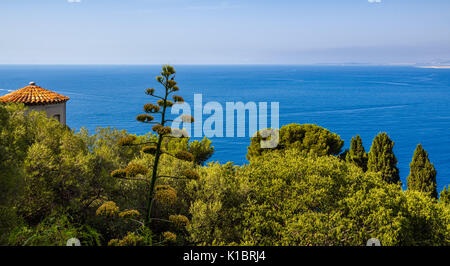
<point x="436" y="67"/>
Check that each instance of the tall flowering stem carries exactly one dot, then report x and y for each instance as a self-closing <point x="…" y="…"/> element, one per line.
<point x="167" y="80"/>
<point x="170" y="85"/>
<point x="166" y="74"/>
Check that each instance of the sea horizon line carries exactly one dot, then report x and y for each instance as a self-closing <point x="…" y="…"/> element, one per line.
<point x="417" y="65"/>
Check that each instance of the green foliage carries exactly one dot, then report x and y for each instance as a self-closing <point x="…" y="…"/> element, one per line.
<point x="108" y="209"/>
<point x="444" y="196"/>
<point x="165" y="194"/>
<point x="201" y="150"/>
<point x="136" y="169"/>
<point x="131" y="239"/>
<point x="216" y="205"/>
<point x="308" y="138"/>
<point x="422" y="176"/>
<point x="357" y="154"/>
<point x="60" y="172"/>
<point x="149" y="149"/>
<point x="8" y="221"/>
<point x="298" y="200"/>
<point x="185" y="156"/>
<point x="169" y="237"/>
<point x="53" y="231"/>
<point x="190" y="174"/>
<point x="47" y="167"/>
<point x="382" y="158"/>
<point x="15" y="136"/>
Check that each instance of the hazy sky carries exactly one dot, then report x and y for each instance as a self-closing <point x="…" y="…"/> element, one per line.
<point x="224" y="32"/>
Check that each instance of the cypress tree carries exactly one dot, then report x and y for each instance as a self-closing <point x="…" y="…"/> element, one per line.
<point x="382" y="159"/>
<point x="357" y="154"/>
<point x="422" y="176"/>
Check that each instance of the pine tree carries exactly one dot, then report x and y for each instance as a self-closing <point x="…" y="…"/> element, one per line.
<point x="422" y="176"/>
<point x="382" y="158"/>
<point x="309" y="138"/>
<point x="357" y="154"/>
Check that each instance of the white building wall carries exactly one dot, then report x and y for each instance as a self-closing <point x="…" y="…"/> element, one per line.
<point x="58" y="111"/>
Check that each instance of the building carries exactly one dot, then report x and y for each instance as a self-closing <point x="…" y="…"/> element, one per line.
<point x="40" y="99"/>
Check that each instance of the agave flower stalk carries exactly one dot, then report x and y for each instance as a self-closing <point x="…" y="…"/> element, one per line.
<point x="167" y="80"/>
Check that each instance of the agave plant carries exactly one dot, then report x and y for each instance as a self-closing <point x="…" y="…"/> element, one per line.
<point x="163" y="193"/>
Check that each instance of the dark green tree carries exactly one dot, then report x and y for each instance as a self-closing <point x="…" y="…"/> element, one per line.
<point x="357" y="154"/>
<point x="382" y="158"/>
<point x="444" y="196"/>
<point x="307" y="138"/>
<point x="422" y="176"/>
<point x="161" y="193"/>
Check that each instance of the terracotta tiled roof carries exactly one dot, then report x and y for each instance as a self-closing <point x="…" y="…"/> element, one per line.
<point x="34" y="95"/>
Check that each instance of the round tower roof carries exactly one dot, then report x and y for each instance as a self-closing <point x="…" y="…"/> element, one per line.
<point x="34" y="95"/>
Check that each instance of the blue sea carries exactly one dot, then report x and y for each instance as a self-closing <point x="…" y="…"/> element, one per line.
<point x="411" y="104"/>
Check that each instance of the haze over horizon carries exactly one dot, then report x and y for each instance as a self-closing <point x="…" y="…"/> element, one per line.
<point x="392" y="32"/>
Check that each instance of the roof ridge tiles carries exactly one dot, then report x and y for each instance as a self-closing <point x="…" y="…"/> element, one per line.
<point x="34" y="95"/>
